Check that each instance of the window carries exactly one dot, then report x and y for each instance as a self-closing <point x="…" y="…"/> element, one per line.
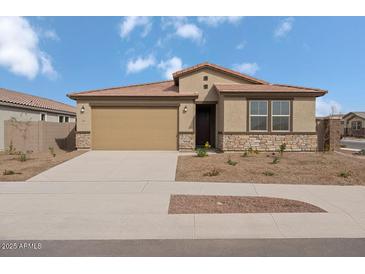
<point x="60" y="119"/>
<point x="356" y="125"/>
<point x="67" y="119"/>
<point x="258" y="115"/>
<point x="43" y="117"/>
<point x="280" y="117"/>
<point x="205" y="78"/>
<point x="205" y="86"/>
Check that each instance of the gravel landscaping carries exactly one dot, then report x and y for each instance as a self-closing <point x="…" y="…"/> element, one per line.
<point x="203" y="204"/>
<point x="292" y="168"/>
<point x="20" y="168"/>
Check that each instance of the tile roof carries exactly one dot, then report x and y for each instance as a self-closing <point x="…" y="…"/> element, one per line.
<point x="156" y="89"/>
<point x="277" y="88"/>
<point x="177" y="74"/>
<point x="31" y="101"/>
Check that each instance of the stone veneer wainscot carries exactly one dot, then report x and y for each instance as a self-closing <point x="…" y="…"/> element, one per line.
<point x="83" y="140"/>
<point x="186" y="141"/>
<point x="267" y="142"/>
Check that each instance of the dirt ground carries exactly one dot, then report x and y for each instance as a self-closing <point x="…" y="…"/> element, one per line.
<point x="36" y="163"/>
<point x="292" y="168"/>
<point x="202" y="204"/>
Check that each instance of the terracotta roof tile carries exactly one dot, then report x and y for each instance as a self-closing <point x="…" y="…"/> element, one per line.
<point x="31" y="101"/>
<point x="277" y="88"/>
<point x="177" y="74"/>
<point x="162" y="89"/>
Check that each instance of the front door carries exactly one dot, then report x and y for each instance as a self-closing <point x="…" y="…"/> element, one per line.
<point x="205" y="125"/>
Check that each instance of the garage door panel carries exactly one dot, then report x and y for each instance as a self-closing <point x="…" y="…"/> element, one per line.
<point x="134" y="128"/>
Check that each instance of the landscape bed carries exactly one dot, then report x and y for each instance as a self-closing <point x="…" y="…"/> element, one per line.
<point x="212" y="204"/>
<point x="33" y="163"/>
<point x="329" y="168"/>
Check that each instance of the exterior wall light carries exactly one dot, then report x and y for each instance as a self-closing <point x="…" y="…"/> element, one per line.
<point x="185" y="109"/>
<point x="82" y="109"/>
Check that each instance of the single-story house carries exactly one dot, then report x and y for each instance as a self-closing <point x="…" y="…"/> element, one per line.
<point x="354" y="123"/>
<point x="26" y="107"/>
<point x="203" y="103"/>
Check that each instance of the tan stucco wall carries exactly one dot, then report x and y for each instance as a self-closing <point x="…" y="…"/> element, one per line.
<point x="83" y="122"/>
<point x="187" y="119"/>
<point x="194" y="83"/>
<point x="304" y="114"/>
<point x="8" y="112"/>
<point x="234" y="114"/>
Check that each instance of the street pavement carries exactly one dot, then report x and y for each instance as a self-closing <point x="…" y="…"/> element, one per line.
<point x="353" y="143"/>
<point x="329" y="247"/>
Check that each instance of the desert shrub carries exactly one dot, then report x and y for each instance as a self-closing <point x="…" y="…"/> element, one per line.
<point x="23" y="157"/>
<point x="51" y="150"/>
<point x="245" y="154"/>
<point x="8" y="172"/>
<point x="268" y="173"/>
<point x="275" y="160"/>
<point x="282" y="148"/>
<point x="231" y="162"/>
<point x="11" y="149"/>
<point x="255" y="151"/>
<point x="201" y="152"/>
<point x="344" y="174"/>
<point x="211" y="173"/>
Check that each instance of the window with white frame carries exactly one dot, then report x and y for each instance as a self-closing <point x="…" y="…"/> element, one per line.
<point x="356" y="125"/>
<point x="258" y="115"/>
<point x="67" y="119"/>
<point x="60" y="119"/>
<point x="280" y="115"/>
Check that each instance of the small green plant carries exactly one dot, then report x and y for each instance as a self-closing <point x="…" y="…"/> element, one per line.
<point x="256" y="151"/>
<point x="282" y="148"/>
<point x="361" y="152"/>
<point x="268" y="173"/>
<point x="344" y="174"/>
<point x="207" y="145"/>
<point x="22" y="157"/>
<point x="275" y="160"/>
<point x="8" y="172"/>
<point x="201" y="152"/>
<point x="51" y="150"/>
<point x="250" y="150"/>
<point x="213" y="172"/>
<point x="231" y="162"/>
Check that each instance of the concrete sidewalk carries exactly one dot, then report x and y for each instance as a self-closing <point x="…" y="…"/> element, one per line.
<point x="138" y="210"/>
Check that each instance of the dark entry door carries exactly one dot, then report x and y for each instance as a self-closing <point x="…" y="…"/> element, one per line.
<point x="205" y="122"/>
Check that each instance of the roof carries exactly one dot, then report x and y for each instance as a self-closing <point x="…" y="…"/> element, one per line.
<point x="189" y="70"/>
<point x="272" y="88"/>
<point x="30" y="101"/>
<point x="158" y="89"/>
<point x="360" y="114"/>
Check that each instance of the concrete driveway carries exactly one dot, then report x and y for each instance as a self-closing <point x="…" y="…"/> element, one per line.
<point x="353" y="143"/>
<point x="112" y="166"/>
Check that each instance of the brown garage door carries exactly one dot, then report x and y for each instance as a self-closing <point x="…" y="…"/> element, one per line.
<point x="134" y="128"/>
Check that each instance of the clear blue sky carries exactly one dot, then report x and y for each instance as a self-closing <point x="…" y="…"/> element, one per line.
<point x="51" y="56"/>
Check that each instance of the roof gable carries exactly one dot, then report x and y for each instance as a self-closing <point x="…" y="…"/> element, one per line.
<point x="360" y="114"/>
<point x="176" y="75"/>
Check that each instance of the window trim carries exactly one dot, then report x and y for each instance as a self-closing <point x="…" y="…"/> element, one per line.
<point x="63" y="119"/>
<point x="68" y="119"/>
<point x="258" y="115"/>
<point x="272" y="116"/>
<point x="45" y="116"/>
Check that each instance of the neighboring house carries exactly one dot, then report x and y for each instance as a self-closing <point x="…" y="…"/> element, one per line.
<point x="25" y="107"/>
<point x="204" y="103"/>
<point x="354" y="123"/>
